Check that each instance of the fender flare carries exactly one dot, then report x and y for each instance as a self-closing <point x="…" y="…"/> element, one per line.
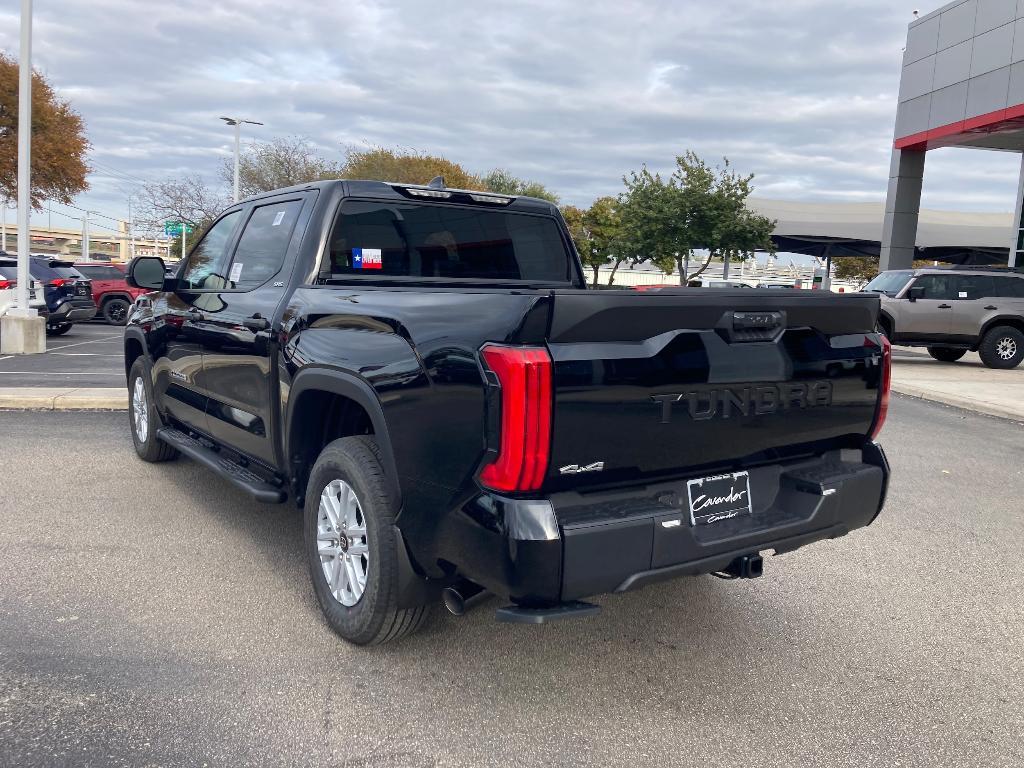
<point x="358" y="390"/>
<point x="1014" y="321"/>
<point x="134" y="333"/>
<point x="108" y="295"/>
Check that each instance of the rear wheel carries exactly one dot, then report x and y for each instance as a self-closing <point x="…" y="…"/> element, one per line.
<point x="1002" y="347"/>
<point x="115" y="311"/>
<point x="143" y="417"/>
<point x="58" y="330"/>
<point x="351" y="545"/>
<point x="946" y="354"/>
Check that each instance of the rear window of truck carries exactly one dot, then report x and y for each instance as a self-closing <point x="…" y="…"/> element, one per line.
<point x="417" y="240"/>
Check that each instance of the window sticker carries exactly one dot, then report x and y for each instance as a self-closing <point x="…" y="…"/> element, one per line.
<point x="367" y="258"/>
<point x="236" y="272"/>
<point x="963" y="294"/>
<point x="278" y="219"/>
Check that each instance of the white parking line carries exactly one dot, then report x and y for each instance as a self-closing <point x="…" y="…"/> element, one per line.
<point x="59" y="373"/>
<point x="80" y="343"/>
<point x="81" y="354"/>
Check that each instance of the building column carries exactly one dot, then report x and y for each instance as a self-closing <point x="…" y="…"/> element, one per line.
<point x="1017" y="235"/>
<point x="902" y="206"/>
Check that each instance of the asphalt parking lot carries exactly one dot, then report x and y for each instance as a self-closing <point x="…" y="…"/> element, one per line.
<point x="151" y="615"/>
<point x="89" y="355"/>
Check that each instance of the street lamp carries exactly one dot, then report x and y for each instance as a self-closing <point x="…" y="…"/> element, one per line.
<point x="237" y="123"/>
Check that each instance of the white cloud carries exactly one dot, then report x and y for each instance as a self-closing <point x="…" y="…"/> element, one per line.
<point x="574" y="95"/>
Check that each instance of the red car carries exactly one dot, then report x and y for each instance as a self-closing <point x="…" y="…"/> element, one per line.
<point x="111" y="293"/>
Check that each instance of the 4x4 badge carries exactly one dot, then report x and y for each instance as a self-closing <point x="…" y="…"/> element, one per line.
<point x="576" y="469"/>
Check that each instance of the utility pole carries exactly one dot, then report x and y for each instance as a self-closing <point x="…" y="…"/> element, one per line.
<point x="4" y="246"/>
<point x="131" y="230"/>
<point x="85" y="237"/>
<point x="237" y="123"/>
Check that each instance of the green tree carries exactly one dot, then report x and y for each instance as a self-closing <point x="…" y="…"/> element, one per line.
<point x="405" y="167"/>
<point x="856" y="269"/>
<point x="502" y="182"/>
<point x="699" y="206"/>
<point x="281" y="162"/>
<point x="59" y="145"/>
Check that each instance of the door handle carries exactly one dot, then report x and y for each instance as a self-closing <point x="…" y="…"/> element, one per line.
<point x="945" y="306"/>
<point x="256" y="323"/>
<point x="990" y="308"/>
<point x="195" y="314"/>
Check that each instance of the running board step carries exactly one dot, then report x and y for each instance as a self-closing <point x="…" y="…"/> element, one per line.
<point x="232" y="471"/>
<point x="576" y="609"/>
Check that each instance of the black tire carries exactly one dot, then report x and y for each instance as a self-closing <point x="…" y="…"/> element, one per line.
<point x="946" y="354"/>
<point x="375" y="617"/>
<point x="1002" y="347"/>
<point x="115" y="311"/>
<point x="149" y="447"/>
<point x="58" y="330"/>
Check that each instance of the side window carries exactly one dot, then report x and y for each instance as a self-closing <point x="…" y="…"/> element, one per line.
<point x="207" y="264"/>
<point x="936" y="286"/>
<point x="968" y="287"/>
<point x="264" y="244"/>
<point x="1009" y="287"/>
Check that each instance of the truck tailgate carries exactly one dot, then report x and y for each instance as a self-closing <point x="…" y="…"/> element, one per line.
<point x="650" y="385"/>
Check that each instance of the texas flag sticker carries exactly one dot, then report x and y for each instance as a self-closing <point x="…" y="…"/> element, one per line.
<point x="367" y="258"/>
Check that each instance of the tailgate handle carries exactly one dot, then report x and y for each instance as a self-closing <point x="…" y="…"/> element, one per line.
<point x="756" y="321"/>
<point x="753" y="326"/>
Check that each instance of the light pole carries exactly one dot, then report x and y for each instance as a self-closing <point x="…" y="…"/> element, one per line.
<point x="24" y="158"/>
<point x="237" y="123"/>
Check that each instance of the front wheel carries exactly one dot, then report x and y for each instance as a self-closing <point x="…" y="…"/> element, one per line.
<point x="58" y="330"/>
<point x="1002" y="347"/>
<point x="143" y="417"/>
<point x="351" y="545"/>
<point x="946" y="354"/>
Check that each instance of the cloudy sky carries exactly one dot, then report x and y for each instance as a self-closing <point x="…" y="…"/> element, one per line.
<point x="572" y="94"/>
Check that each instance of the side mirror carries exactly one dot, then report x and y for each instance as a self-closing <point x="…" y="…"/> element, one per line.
<point x="915" y="293"/>
<point x="146" y="272"/>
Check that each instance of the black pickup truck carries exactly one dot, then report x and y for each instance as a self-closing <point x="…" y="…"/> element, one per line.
<point x="424" y="372"/>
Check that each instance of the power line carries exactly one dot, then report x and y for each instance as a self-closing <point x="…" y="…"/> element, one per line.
<point x="110" y="170"/>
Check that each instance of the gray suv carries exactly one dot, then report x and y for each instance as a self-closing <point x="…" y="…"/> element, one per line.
<point x="955" y="309"/>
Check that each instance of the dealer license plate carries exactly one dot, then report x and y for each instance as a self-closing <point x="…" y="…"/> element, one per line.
<point x="718" y="498"/>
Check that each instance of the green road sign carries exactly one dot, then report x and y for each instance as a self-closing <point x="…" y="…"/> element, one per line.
<point x="173" y="228"/>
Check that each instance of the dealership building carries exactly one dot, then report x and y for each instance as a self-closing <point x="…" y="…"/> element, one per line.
<point x="962" y="86"/>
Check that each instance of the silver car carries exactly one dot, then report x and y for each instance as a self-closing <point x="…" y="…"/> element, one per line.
<point x="953" y="310"/>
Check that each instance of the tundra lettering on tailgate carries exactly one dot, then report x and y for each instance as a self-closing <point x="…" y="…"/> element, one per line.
<point x="705" y="403"/>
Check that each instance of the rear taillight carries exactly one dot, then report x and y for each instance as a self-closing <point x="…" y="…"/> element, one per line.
<point x="524" y="377"/>
<point x="5" y="284"/>
<point x="59" y="282"/>
<point x="884" y="387"/>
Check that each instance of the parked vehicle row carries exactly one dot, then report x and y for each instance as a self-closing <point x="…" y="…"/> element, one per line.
<point x="68" y="292"/>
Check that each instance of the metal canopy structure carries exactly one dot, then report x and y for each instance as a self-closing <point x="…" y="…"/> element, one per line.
<point x="838" y="230"/>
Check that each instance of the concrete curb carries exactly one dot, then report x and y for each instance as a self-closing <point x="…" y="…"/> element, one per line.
<point x="64" y="398"/>
<point x="967" y="403"/>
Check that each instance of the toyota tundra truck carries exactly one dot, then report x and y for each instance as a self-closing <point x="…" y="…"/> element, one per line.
<point x="423" y="372"/>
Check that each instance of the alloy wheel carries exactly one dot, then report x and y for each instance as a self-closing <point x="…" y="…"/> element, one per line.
<point x="1006" y="347"/>
<point x="341" y="542"/>
<point x="140" y="410"/>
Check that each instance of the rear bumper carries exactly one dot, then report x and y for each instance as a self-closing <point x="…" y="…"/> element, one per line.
<point x="615" y="541"/>
<point x="72" y="311"/>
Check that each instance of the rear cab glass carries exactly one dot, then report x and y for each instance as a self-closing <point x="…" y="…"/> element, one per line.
<point x="446" y="242"/>
<point x="889" y="283"/>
